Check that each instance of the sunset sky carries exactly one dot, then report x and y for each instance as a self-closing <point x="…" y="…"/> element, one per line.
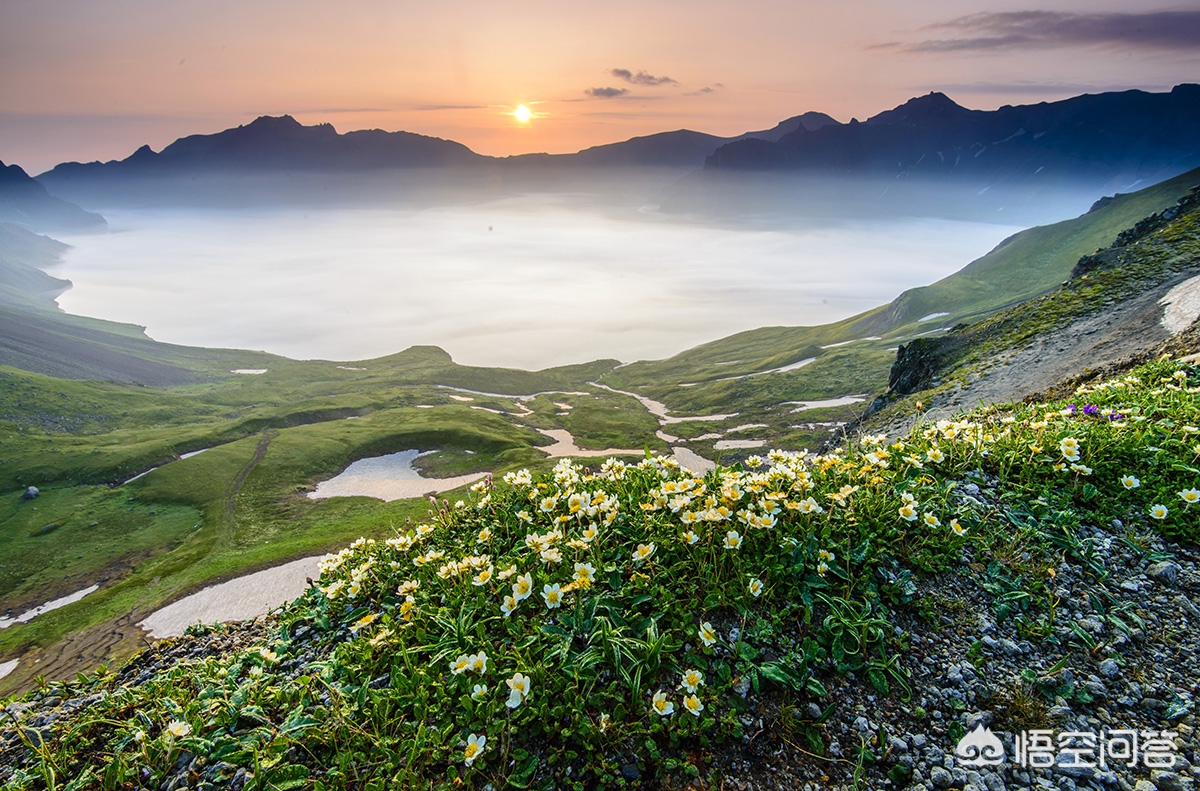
<point x="83" y="81"/>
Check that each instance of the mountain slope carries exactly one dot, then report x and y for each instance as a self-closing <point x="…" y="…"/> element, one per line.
<point x="1112" y="139"/>
<point x="1132" y="296"/>
<point x="931" y="157"/>
<point x="25" y="201"/>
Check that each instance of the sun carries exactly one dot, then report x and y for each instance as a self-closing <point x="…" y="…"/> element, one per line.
<point x="522" y="113"/>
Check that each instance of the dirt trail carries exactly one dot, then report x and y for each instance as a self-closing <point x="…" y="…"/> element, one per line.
<point x="1116" y="332"/>
<point x="235" y="485"/>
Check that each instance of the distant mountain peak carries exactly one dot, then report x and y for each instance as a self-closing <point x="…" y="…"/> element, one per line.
<point x="933" y="107"/>
<point x="274" y="120"/>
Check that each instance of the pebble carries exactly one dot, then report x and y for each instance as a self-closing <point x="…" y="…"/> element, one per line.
<point x="1165" y="572"/>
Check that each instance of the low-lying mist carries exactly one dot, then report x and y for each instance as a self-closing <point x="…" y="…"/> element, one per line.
<point x="529" y="281"/>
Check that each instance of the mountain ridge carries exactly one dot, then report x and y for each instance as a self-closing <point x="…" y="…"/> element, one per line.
<point x="26" y="201"/>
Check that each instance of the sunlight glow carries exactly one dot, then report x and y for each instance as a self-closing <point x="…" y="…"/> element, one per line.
<point x="522" y="113"/>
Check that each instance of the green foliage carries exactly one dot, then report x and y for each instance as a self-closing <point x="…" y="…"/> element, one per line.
<point x="642" y="605"/>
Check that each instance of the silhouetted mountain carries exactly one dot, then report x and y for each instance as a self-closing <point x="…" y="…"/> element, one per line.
<point x="270" y="144"/>
<point x="283" y="143"/>
<point x="1111" y="139"/>
<point x="685" y="147"/>
<point x="809" y="121"/>
<point x="26" y="202"/>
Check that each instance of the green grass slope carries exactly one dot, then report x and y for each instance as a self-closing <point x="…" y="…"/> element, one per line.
<point x="555" y="624"/>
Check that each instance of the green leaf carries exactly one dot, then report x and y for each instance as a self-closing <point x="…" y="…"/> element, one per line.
<point x="253" y="713"/>
<point x="523" y="774"/>
<point x="1177" y="708"/>
<point x="298" y="722"/>
<point x="285" y="778"/>
<point x="819" y="689"/>
<point x="747" y="652"/>
<point x="773" y="671"/>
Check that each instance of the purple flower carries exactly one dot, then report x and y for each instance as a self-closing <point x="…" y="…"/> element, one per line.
<point x="1091" y="409"/>
<point x="1071" y="408"/>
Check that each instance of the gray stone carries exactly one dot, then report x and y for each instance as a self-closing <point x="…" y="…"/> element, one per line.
<point x="1144" y="785"/>
<point x="1109" y="668"/>
<point x="1077" y="771"/>
<point x="30" y="493"/>
<point x="1170" y="781"/>
<point x="976" y="718"/>
<point x="1164" y="573"/>
<point x="941" y="778"/>
<point x="1188" y="606"/>
<point x="630" y="772"/>
<point x="994" y="782"/>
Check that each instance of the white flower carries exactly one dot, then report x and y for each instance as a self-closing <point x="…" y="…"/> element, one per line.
<point x="518" y="687"/>
<point x="643" y="552"/>
<point x="908" y="512"/>
<point x="519" y="478"/>
<point x="479" y="692"/>
<point x="460" y="665"/>
<point x="756" y="587"/>
<point x="483" y="577"/>
<point x="733" y="540"/>
<point x="509" y="606"/>
<point x="1158" y="512"/>
<point x="931" y="520"/>
<point x="661" y="706"/>
<point x="553" y="595"/>
<point x="178" y="729"/>
<point x="1190" y="496"/>
<point x="478" y="662"/>
<point x="523" y="587"/>
<point x="585" y="574"/>
<point x="1130" y="482"/>
<point x="708" y="635"/>
<point x="692" y="679"/>
<point x="475" y="744"/>
<point x="693" y="705"/>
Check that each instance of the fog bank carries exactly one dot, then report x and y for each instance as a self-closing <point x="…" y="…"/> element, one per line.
<point x="530" y="281"/>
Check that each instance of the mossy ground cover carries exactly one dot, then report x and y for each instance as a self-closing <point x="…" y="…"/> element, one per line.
<point x="541" y="628"/>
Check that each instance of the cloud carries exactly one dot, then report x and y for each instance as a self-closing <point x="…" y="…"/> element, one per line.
<point x="992" y="32"/>
<point x="642" y="78"/>
<point x="606" y="93"/>
<point x="701" y="92"/>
